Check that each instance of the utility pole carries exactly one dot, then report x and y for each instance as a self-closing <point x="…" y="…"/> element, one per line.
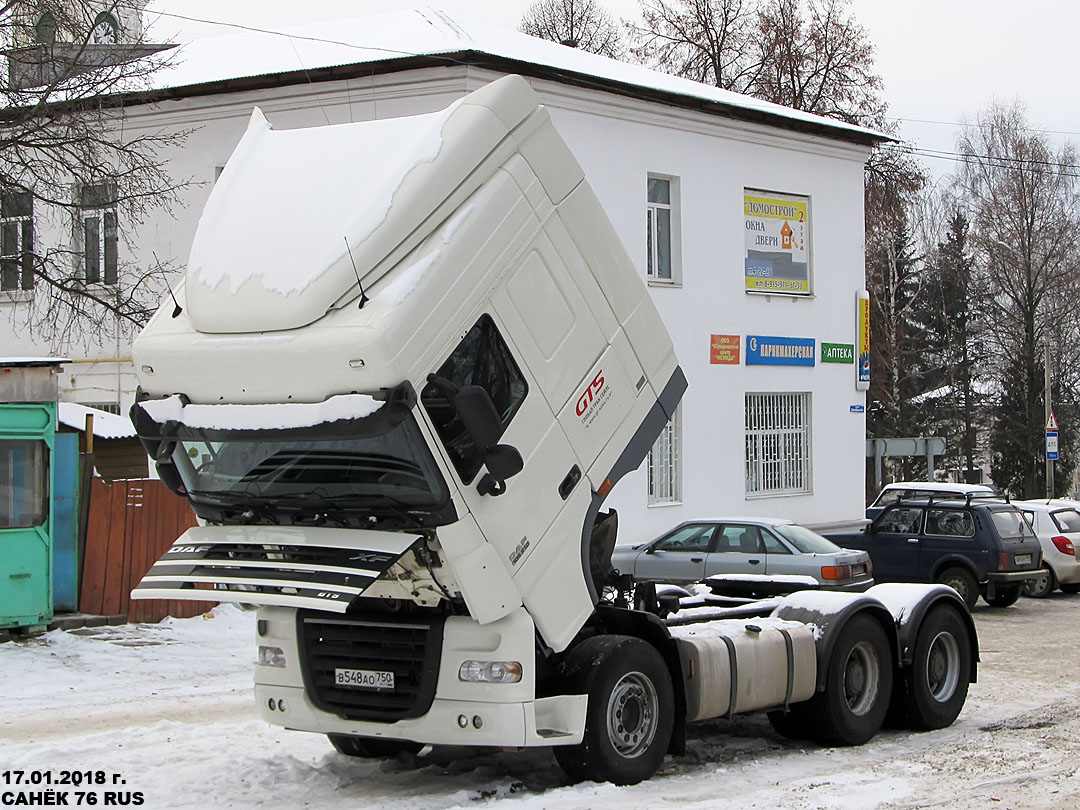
<point x="1048" y="407"/>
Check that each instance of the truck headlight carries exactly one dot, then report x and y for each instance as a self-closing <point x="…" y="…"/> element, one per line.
<point x="490" y="672"/>
<point x="271" y="656"/>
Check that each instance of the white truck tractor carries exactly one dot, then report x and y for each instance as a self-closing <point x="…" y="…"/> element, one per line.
<point x="408" y="362"/>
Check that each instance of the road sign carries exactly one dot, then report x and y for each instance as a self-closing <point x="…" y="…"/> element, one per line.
<point x="1051" y="445"/>
<point x="1051" y="423"/>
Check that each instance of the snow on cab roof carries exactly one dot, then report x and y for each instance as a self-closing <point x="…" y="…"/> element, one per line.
<point x="429" y="32"/>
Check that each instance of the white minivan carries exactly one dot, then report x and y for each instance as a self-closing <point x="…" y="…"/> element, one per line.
<point x="1057" y="525"/>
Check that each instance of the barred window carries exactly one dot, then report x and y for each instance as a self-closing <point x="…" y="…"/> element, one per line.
<point x="16" y="241"/>
<point x="777" y="444"/>
<point x="665" y="463"/>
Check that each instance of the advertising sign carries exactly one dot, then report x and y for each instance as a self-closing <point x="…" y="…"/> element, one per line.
<point x="724" y="350"/>
<point x="862" y="302"/>
<point x="777" y="231"/>
<point x="837" y="353"/>
<point x="768" y="350"/>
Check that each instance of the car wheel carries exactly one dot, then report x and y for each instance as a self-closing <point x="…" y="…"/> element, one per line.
<point x="936" y="683"/>
<point x="858" y="686"/>
<point x="1070" y="587"/>
<point x="1004" y="596"/>
<point x="631" y="710"/>
<point x="372" y="747"/>
<point x="1043" y="586"/>
<point x="961" y="581"/>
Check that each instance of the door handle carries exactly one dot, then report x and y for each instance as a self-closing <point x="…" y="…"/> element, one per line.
<point x="913" y="540"/>
<point x="754" y="562"/>
<point x="569" y="482"/>
<point x="697" y="559"/>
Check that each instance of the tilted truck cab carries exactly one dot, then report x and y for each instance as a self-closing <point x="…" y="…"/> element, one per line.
<point x="409" y="360"/>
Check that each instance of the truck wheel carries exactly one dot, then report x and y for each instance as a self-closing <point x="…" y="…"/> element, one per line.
<point x="1043" y="586"/>
<point x="371" y="747"/>
<point x="1003" y="597"/>
<point x="631" y="710"/>
<point x="1070" y="587"/>
<point x="936" y="683"/>
<point x="791" y="724"/>
<point x="961" y="581"/>
<point x="858" y="686"/>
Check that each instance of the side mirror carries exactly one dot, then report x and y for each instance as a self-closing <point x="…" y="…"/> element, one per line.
<point x="479" y="416"/>
<point x="503" y="461"/>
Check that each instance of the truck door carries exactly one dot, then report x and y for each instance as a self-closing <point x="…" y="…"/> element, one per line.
<point x="894" y="544"/>
<point x="514" y="521"/>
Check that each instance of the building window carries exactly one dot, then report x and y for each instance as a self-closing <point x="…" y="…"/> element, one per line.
<point x="662" y="264"/>
<point x="98" y="212"/>
<point x="777" y="444"/>
<point x="45" y="29"/>
<point x="665" y="463"/>
<point x="24" y="483"/>
<point x="106" y="30"/>
<point x="16" y="241"/>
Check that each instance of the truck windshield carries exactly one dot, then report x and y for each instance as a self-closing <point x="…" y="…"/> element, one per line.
<point x="342" y="478"/>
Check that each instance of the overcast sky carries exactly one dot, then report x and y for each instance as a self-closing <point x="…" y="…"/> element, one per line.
<point x="941" y="60"/>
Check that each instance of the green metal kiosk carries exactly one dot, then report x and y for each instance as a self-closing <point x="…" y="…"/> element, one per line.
<point x="28" y="395"/>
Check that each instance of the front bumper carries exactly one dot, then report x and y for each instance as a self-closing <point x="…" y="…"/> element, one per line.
<point x="546" y="721"/>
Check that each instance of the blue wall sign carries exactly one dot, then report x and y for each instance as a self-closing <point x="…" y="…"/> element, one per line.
<point x="767" y="350"/>
<point x="857" y="409"/>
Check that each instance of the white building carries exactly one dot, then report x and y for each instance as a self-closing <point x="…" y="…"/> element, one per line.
<point x="714" y="193"/>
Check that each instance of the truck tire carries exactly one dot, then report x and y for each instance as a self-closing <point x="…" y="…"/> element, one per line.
<point x="858" y="686"/>
<point x="372" y="747"/>
<point x="936" y="683"/>
<point x="963" y="582"/>
<point x="1043" y="586"/>
<point x="1004" y="596"/>
<point x="631" y="710"/>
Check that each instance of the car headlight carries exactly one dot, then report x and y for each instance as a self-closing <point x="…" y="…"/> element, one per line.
<point x="490" y="672"/>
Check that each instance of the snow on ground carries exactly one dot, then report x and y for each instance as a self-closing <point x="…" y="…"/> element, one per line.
<point x="168" y="708"/>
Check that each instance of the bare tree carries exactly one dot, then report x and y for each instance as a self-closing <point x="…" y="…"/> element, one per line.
<point x="710" y="41"/>
<point x="74" y="182"/>
<point x="583" y="24"/>
<point x="1024" y="209"/>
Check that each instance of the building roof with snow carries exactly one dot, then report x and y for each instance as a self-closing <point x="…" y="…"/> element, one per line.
<point x="425" y="37"/>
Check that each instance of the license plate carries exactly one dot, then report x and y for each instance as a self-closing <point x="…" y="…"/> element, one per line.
<point x="365" y="679"/>
<point x="1023" y="559"/>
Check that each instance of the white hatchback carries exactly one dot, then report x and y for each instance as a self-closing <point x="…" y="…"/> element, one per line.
<point x="1057" y="525"/>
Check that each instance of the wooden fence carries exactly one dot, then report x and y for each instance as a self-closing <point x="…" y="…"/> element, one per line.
<point x="131" y="524"/>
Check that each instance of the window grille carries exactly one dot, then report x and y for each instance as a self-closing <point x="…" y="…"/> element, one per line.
<point x="777" y="444"/>
<point x="665" y="463"/>
<point x="98" y="216"/>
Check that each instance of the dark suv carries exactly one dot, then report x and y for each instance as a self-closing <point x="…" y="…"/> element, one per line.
<point x="973" y="545"/>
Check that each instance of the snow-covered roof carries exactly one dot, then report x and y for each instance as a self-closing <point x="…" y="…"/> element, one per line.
<point x="33" y="361"/>
<point x="106" y="425"/>
<point x="427" y="32"/>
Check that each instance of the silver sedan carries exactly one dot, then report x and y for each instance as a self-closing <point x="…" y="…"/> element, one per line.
<point x="746" y="556"/>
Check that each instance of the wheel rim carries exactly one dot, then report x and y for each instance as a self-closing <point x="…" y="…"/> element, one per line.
<point x="943" y="666"/>
<point x="862" y="674"/>
<point x="632" y="714"/>
<point x="958" y="584"/>
<point x="1040" y="586"/>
